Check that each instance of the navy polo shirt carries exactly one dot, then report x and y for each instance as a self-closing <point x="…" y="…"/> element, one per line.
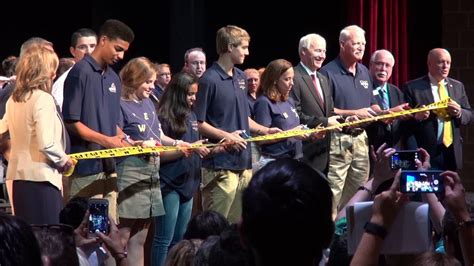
<point x="222" y="103"/>
<point x="251" y="101"/>
<point x="184" y="174"/>
<point x="93" y="98"/>
<point x="282" y="115"/>
<point x="350" y="92"/>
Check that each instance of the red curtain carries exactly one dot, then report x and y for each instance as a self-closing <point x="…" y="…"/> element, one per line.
<point x="385" y="24"/>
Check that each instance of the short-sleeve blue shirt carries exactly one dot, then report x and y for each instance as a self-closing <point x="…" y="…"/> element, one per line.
<point x="92" y="97"/>
<point x="222" y="103"/>
<point x="350" y="92"/>
<point x="282" y="115"/>
<point x="139" y="120"/>
<point x="184" y="174"/>
<point x="252" y="102"/>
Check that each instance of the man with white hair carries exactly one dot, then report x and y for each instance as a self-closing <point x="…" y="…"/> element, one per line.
<point x="313" y="101"/>
<point x="389" y="98"/>
<point x="352" y="94"/>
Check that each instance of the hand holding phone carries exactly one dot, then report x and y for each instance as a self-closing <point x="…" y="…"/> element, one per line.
<point x="98" y="216"/>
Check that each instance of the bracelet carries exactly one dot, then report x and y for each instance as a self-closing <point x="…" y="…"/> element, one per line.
<point x="367" y="189"/>
<point x="375" y="229"/>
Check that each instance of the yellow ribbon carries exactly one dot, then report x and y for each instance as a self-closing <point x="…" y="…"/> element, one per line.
<point x="135" y="150"/>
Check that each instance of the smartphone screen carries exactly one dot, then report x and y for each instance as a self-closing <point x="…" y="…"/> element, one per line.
<point x="421" y="182"/>
<point x="404" y="160"/>
<point x="98" y="216"/>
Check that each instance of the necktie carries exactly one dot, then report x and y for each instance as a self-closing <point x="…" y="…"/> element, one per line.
<point x="318" y="91"/>
<point x="384" y="97"/>
<point x="447" y="127"/>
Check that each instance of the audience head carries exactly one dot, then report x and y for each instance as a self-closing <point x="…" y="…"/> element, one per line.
<point x="202" y="256"/>
<point x="57" y="244"/>
<point x="277" y="80"/>
<point x="234" y="40"/>
<point x="435" y="259"/>
<point x="439" y="63"/>
<point x="35" y="70"/>
<point x="291" y="201"/>
<point x="195" y="62"/>
<point x="381" y="65"/>
<point x="312" y="51"/>
<point x="18" y="245"/>
<point x="183" y="253"/>
<point x="352" y="43"/>
<point x="206" y="223"/>
<point x="138" y="77"/>
<point x="83" y="41"/>
<point x="163" y="75"/>
<point x="114" y="40"/>
<point x="253" y="80"/>
<point x="73" y="213"/>
<point x="228" y="250"/>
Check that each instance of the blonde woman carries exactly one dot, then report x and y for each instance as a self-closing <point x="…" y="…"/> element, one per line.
<point x="38" y="139"/>
<point x="139" y="197"/>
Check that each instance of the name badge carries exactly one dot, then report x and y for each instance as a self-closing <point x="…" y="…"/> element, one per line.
<point x="241" y="83"/>
<point x="364" y="83"/>
<point x="112" y="88"/>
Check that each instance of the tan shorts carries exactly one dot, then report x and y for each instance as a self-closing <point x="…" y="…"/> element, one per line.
<point x="96" y="186"/>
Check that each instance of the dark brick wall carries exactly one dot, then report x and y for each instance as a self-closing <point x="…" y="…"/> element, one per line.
<point x="458" y="38"/>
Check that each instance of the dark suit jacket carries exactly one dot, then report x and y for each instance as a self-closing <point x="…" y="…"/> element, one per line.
<point x="313" y="114"/>
<point x="418" y="92"/>
<point x="379" y="132"/>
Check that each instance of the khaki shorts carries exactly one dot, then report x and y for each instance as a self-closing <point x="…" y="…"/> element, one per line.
<point x="96" y="186"/>
<point x="222" y="191"/>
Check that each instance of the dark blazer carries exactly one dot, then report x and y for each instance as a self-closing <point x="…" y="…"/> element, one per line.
<point x="313" y="114"/>
<point x="379" y="132"/>
<point x="418" y="92"/>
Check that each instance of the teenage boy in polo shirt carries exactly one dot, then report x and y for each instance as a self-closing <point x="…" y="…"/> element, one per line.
<point x="91" y="111"/>
<point x="223" y="112"/>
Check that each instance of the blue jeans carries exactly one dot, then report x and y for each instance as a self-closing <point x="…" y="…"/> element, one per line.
<point x="170" y="228"/>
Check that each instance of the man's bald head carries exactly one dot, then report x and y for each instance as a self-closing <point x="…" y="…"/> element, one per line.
<point x="439" y="63"/>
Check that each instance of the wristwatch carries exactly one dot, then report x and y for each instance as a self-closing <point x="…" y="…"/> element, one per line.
<point x="375" y="229"/>
<point x="367" y="189"/>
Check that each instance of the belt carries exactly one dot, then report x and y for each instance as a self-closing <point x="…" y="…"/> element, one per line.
<point x="147" y="157"/>
<point x="352" y="131"/>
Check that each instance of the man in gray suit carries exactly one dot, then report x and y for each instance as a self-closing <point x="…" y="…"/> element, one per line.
<point x="430" y="130"/>
<point x="312" y="94"/>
